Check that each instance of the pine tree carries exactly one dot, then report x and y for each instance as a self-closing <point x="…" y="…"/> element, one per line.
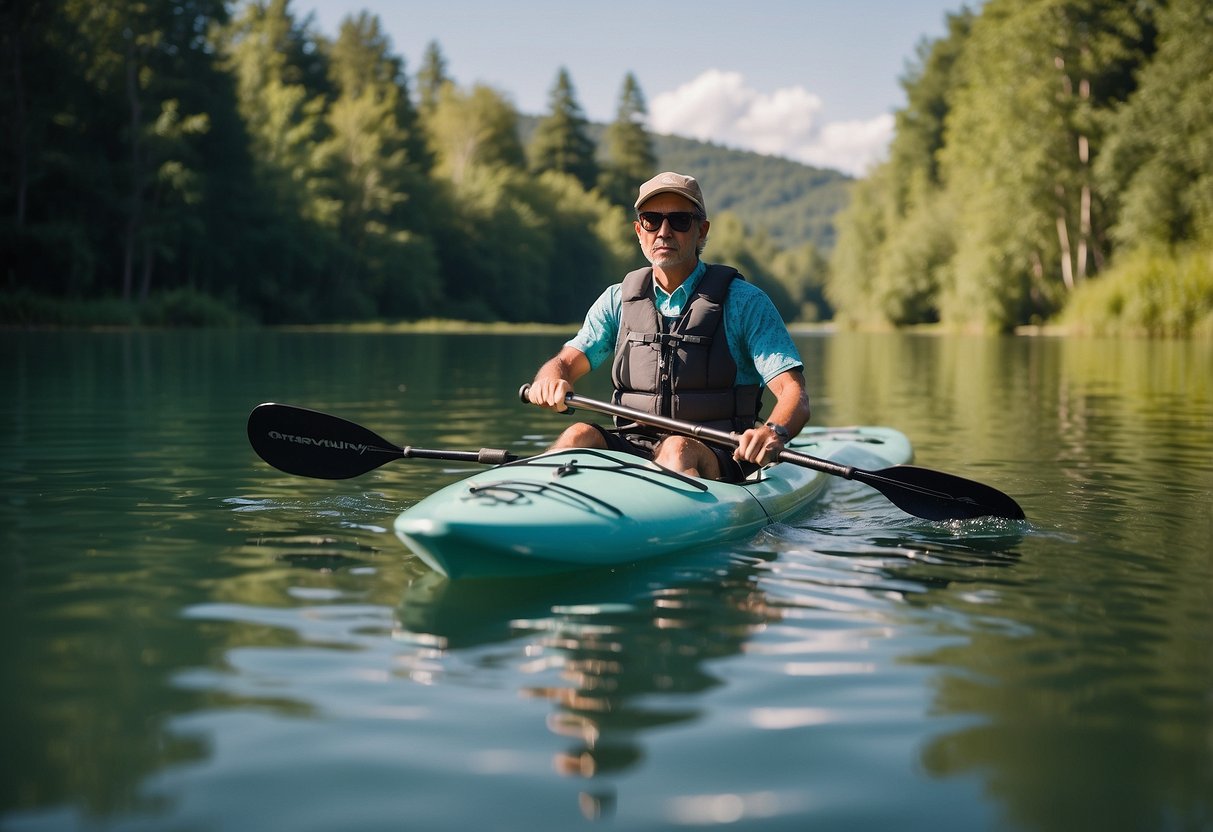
<point x="432" y="77"/>
<point x="631" y="158"/>
<point x="379" y="191"/>
<point x="562" y="142"/>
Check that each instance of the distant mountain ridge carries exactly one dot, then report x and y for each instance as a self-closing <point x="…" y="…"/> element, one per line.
<point x="792" y="203"/>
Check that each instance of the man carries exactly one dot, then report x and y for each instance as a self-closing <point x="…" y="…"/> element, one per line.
<point x="688" y="340"/>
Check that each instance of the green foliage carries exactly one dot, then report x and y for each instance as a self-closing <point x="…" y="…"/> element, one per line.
<point x="521" y="248"/>
<point x="854" y="263"/>
<point x="166" y="154"/>
<point x="561" y="141"/>
<point x="752" y="254"/>
<point x="432" y="77"/>
<point x="473" y="129"/>
<point x="920" y="125"/>
<point x="182" y="307"/>
<point x="1038" y="136"/>
<point x="803" y="271"/>
<point x="1157" y="162"/>
<point x="378" y="196"/>
<point x="630" y="157"/>
<point x="1154" y="292"/>
<point x="188" y="307"/>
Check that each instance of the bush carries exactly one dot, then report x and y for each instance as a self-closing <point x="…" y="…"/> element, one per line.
<point x="188" y="308"/>
<point x="176" y="308"/>
<point x="1151" y="292"/>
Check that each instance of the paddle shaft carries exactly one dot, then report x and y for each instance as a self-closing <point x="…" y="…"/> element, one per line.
<point x="932" y="495"/>
<point x="716" y="437"/>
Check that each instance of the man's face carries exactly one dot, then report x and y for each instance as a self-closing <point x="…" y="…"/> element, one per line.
<point x="666" y="248"/>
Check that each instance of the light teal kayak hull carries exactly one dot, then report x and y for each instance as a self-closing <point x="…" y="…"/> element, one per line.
<point x="585" y="508"/>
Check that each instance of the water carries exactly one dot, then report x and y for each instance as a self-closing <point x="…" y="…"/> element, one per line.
<point x="195" y="641"/>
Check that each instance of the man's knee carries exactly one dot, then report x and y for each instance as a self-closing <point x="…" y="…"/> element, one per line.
<point x="580" y="435"/>
<point x="682" y="453"/>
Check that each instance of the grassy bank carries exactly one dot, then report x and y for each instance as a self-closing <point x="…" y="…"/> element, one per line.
<point x="1149" y="292"/>
<point x="177" y="308"/>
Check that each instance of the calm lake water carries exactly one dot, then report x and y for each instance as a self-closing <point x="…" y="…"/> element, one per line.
<point x="195" y="641"/>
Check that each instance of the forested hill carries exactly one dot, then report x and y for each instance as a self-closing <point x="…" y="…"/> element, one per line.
<point x="791" y="202"/>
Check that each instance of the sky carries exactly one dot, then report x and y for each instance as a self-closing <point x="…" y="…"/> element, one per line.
<point x="816" y="81"/>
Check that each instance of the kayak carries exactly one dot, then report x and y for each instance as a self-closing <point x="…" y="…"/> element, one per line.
<point x="581" y="508"/>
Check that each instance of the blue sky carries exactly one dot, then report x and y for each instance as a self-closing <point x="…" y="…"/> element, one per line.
<point x="814" y="80"/>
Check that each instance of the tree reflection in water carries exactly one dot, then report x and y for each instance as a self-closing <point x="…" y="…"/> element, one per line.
<point x="630" y="646"/>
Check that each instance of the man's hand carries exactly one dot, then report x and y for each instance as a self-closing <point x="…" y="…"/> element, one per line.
<point x="555" y="379"/>
<point x="759" y="445"/>
<point x="550" y="392"/>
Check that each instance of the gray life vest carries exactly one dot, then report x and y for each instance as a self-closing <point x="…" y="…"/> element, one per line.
<point x="681" y="368"/>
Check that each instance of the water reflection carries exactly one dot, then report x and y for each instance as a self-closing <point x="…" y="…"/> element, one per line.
<point x="617" y="652"/>
<point x="623" y="653"/>
<point x="202" y="643"/>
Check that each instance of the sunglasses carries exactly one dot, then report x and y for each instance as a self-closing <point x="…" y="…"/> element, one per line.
<point x="678" y="220"/>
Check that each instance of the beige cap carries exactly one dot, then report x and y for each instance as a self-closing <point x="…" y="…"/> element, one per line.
<point x="672" y="183"/>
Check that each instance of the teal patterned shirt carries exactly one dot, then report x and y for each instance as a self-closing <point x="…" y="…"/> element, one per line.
<point x="758" y="339"/>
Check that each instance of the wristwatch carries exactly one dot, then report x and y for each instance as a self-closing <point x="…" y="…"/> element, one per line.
<point x="780" y="431"/>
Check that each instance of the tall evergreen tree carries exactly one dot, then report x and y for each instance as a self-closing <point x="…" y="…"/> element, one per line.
<point x="142" y="65"/>
<point x="48" y="152"/>
<point x="562" y="142"/>
<point x="432" y="77"/>
<point x="631" y="158"/>
<point x="281" y="97"/>
<point x="379" y="191"/>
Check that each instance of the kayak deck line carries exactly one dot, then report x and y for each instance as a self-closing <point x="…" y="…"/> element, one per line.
<point x="511" y="491"/>
<point x="580" y="508"/>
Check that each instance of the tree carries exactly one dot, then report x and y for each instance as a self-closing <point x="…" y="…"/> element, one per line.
<point x="282" y="91"/>
<point x="1157" y="163"/>
<point x="752" y="254"/>
<point x="432" y="77"/>
<point x="473" y="129"/>
<point x="631" y="159"/>
<point x="375" y="161"/>
<point x="45" y="241"/>
<point x="138" y="67"/>
<point x="1038" y="81"/>
<point x="928" y="84"/>
<point x="280" y="97"/>
<point x="562" y="142"/>
<point x="863" y="226"/>
<point x="803" y="272"/>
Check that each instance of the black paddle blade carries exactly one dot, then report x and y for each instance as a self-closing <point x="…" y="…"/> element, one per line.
<point x="314" y="444"/>
<point x="934" y="495"/>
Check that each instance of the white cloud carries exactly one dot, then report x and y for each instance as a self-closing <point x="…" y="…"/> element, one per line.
<point x="718" y="107"/>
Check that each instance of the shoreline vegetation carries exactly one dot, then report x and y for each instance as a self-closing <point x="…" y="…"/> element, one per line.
<point x="1135" y="306"/>
<point x="223" y="165"/>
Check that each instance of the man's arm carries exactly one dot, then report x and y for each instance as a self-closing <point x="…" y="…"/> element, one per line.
<point x="791" y="401"/>
<point x="555" y="378"/>
<point x="762" y="444"/>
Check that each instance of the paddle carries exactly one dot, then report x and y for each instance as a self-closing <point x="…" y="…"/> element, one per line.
<point x="314" y="444"/>
<point x="932" y="495"/>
